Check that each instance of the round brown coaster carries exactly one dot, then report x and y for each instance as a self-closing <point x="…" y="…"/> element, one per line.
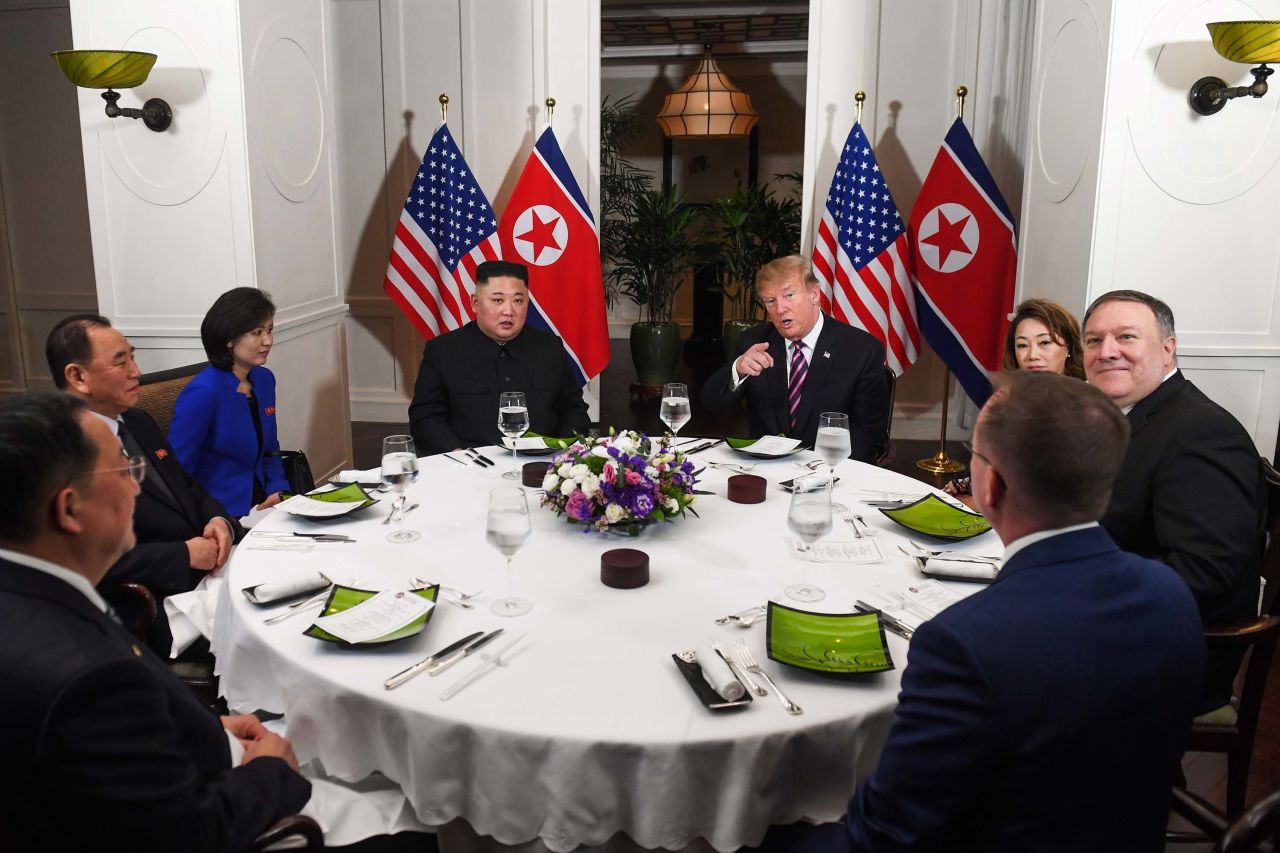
<point x="624" y="568"/>
<point x="747" y="489"/>
<point x="533" y="473"/>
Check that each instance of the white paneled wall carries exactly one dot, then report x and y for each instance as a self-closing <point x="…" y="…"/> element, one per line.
<point x="238" y="192"/>
<point x="1128" y="188"/>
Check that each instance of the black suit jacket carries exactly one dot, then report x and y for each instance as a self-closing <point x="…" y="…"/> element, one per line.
<point x="1191" y="494"/>
<point x="1047" y="712"/>
<point x="163" y="523"/>
<point x="104" y="747"/>
<point x="455" y="400"/>
<point x="846" y="374"/>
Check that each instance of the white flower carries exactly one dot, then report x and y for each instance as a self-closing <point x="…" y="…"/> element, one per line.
<point x="590" y="485"/>
<point x="614" y="513"/>
<point x="624" y="442"/>
<point x="564" y="470"/>
<point x="579" y="472"/>
<point x="567" y="487"/>
<point x="601" y="451"/>
<point x="549" y="484"/>
<point x="650" y="472"/>
<point x="673" y="505"/>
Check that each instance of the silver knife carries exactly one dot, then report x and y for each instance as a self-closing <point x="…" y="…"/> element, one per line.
<point x="326" y="537"/>
<point x="405" y="674"/>
<point x="891" y="622"/>
<point x="441" y="666"/>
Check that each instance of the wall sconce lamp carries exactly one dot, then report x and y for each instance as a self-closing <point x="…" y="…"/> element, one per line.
<point x="116" y="69"/>
<point x="1238" y="41"/>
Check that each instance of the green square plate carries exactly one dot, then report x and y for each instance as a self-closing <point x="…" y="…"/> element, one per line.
<point x="351" y="494"/>
<point x="344" y="598"/>
<point x="741" y="445"/>
<point x="551" y="445"/>
<point x="831" y="643"/>
<point x="935" y="517"/>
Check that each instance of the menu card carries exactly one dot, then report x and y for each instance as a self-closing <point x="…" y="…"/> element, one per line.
<point x="385" y="613"/>
<point x="772" y="445"/>
<point x="913" y="605"/>
<point x="855" y="551"/>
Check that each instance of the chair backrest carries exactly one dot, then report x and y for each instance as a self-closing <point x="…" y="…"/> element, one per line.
<point x="160" y="390"/>
<point x="1271" y="558"/>
<point x="886" y="453"/>
<point x="1256" y="826"/>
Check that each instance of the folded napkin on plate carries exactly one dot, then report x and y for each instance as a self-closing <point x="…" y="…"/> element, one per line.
<point x="372" y="475"/>
<point x="719" y="676"/>
<point x="290" y="586"/>
<point x="961" y="568"/>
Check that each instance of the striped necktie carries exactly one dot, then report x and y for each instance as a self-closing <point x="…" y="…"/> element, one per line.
<point x="799" y="370"/>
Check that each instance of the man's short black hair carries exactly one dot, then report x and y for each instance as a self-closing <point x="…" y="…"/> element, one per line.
<point x="42" y="448"/>
<point x="501" y="269"/>
<point x="68" y="343"/>
<point x="239" y="310"/>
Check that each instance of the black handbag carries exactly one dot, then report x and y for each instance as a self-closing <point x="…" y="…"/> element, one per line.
<point x="296" y="470"/>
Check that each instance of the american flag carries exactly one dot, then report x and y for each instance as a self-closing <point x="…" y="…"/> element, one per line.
<point x="859" y="255"/>
<point x="445" y="229"/>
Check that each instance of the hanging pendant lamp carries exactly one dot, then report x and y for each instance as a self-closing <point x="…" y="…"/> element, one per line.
<point x="707" y="105"/>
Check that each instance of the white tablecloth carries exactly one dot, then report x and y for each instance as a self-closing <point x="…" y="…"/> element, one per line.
<point x="591" y="730"/>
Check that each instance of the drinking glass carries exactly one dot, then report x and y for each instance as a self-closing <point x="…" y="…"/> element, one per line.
<point x="399" y="469"/>
<point x="809" y="518"/>
<point x="513" y="422"/>
<point x="675" y="411"/>
<point x="832" y="444"/>
<point x="506" y="528"/>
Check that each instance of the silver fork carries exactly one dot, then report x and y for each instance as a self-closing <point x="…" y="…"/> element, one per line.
<point x="731" y="466"/>
<point x="458" y="599"/>
<point x="743" y="618"/>
<point x="852" y="522"/>
<point x="751" y="665"/>
<point x="811" y="465"/>
<point x="397" y="506"/>
<point x="738" y="672"/>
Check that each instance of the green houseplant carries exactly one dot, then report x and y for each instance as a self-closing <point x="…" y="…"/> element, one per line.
<point x="620" y="179"/>
<point x="753" y="225"/>
<point x="655" y="251"/>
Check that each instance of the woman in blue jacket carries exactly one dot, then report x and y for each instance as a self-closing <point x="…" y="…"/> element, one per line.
<point x="224" y="422"/>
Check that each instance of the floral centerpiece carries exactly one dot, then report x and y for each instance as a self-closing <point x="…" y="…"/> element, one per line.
<point x="621" y="481"/>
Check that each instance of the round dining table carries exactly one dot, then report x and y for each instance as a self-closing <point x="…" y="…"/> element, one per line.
<point x="588" y="729"/>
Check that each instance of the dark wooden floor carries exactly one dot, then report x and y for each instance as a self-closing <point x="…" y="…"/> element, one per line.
<point x="1206" y="774"/>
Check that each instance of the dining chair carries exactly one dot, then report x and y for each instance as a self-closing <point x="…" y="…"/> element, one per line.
<point x="293" y="827"/>
<point x="159" y="390"/>
<point x="137" y="609"/>
<point x="1247" y="834"/>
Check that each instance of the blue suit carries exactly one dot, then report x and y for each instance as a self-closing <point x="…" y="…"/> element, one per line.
<point x="212" y="433"/>
<point x="1046" y="712"/>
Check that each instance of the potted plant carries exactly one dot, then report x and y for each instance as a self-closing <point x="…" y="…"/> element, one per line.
<point x="654" y="253"/>
<point x="620" y="179"/>
<point x="752" y="227"/>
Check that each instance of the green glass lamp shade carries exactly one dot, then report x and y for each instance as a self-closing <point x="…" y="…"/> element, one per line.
<point x="105" y="69"/>
<point x="1249" y="42"/>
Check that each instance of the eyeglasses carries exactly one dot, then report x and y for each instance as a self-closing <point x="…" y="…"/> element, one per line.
<point x="988" y="464"/>
<point x="137" y="469"/>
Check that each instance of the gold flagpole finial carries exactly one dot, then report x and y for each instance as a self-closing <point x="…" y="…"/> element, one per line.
<point x="444" y="106"/>
<point x="551" y="109"/>
<point x="961" y="92"/>
<point x="858" y="97"/>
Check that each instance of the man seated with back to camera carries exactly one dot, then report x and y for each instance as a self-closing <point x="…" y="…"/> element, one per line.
<point x="803" y="363"/>
<point x="463" y="372"/>
<point x="103" y="745"/>
<point x="1049" y="710"/>
<point x="1191" y="492"/>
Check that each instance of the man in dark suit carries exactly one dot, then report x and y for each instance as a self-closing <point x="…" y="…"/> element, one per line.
<point x="1049" y="710"/>
<point x="102" y="744"/>
<point x="802" y="364"/>
<point x="1191" y="491"/>
<point x="181" y="531"/>
<point x="455" y="400"/>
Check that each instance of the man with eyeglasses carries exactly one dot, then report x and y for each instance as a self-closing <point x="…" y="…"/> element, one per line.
<point x="181" y="531"/>
<point x="1049" y="710"/>
<point x="101" y="741"/>
<point x="803" y="363"/>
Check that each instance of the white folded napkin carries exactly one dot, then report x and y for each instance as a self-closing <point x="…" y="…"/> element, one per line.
<point x="372" y="475"/>
<point x="292" y="585"/>
<point x="961" y="568"/>
<point x="190" y="614"/>
<point x="719" y="676"/>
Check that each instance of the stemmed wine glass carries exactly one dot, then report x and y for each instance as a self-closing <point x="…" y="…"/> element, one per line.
<point x="809" y="518"/>
<point x="399" y="469"/>
<point x="507" y="529"/>
<point x="513" y="422"/>
<point x="675" y="411"/>
<point x="833" y="445"/>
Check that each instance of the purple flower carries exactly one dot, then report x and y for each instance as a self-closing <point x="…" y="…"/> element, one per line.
<point x="643" y="504"/>
<point x="680" y="478"/>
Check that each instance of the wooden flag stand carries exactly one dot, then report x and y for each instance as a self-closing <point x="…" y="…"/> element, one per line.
<point x="940" y="463"/>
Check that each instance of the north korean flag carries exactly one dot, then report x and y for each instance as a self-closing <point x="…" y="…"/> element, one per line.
<point x="963" y="260"/>
<point x="548" y="227"/>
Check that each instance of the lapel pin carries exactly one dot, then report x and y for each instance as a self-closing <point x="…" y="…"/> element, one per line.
<point x="162" y="453"/>
<point x="826" y="354"/>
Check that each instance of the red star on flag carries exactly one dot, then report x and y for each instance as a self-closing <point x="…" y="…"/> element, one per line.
<point x="541" y="235"/>
<point x="948" y="238"/>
